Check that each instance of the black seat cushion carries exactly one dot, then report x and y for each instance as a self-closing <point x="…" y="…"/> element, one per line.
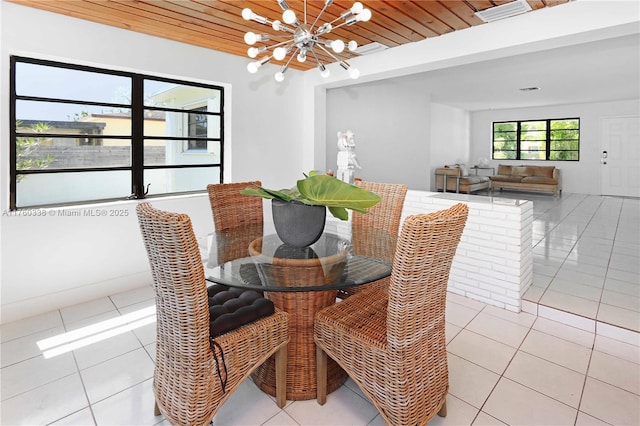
<point x="230" y="308"/>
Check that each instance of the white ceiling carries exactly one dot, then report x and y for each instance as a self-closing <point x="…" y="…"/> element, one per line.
<point x="601" y="71"/>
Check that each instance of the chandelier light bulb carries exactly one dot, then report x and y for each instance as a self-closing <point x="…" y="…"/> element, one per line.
<point x="247" y="14"/>
<point x="325" y="28"/>
<point x="337" y="46"/>
<point x="324" y="71"/>
<point x="289" y="16"/>
<point x="302" y="56"/>
<point x="279" y="53"/>
<point x="357" y="7"/>
<point x="276" y="25"/>
<point x="252" y="67"/>
<point x="354" y="73"/>
<point x="250" y="38"/>
<point x="279" y="76"/>
<point x="252" y="52"/>
<point x="353" y="45"/>
<point x="364" y="16"/>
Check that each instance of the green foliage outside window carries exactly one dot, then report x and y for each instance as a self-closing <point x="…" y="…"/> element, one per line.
<point x="557" y="140"/>
<point x="26" y="147"/>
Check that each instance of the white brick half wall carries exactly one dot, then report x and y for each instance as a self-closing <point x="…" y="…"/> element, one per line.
<point x="493" y="262"/>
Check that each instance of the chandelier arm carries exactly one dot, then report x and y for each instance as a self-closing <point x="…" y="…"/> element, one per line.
<point x="272" y="38"/>
<point x="281" y="27"/>
<point x="282" y="43"/>
<point x="291" y="58"/>
<point x="285" y="29"/>
<point x="326" y="5"/>
<point x="327" y="52"/>
<point x="342" y="24"/>
<point x="305" y="12"/>
<point x="316" y="57"/>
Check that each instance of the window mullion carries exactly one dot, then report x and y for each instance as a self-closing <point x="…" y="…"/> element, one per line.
<point x="518" y="140"/>
<point x="137" y="137"/>
<point x="547" y="149"/>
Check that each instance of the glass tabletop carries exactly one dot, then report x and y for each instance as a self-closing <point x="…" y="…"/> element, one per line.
<point x="244" y="257"/>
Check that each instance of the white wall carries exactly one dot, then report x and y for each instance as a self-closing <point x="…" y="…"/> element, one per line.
<point x="400" y="135"/>
<point x="577" y="176"/>
<point x="449" y="138"/>
<point x="57" y="260"/>
<point x="390" y="122"/>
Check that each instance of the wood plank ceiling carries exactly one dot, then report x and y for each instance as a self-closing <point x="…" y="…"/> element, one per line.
<point x="218" y="25"/>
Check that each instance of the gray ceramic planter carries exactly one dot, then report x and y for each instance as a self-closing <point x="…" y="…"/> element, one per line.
<point x="298" y="224"/>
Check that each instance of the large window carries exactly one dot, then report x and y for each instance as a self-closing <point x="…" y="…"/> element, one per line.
<point x="82" y="134"/>
<point x="552" y="139"/>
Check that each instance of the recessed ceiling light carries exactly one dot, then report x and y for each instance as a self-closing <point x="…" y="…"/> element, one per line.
<point x="370" y="48"/>
<point x="529" y="89"/>
<point x="504" y="11"/>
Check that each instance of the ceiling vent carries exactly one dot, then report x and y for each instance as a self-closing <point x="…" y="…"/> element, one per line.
<point x="370" y="48"/>
<point x="504" y="11"/>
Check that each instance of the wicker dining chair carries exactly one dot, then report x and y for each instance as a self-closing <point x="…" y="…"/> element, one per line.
<point x="393" y="346"/>
<point x="230" y="208"/>
<point x="191" y="382"/>
<point x="384" y="216"/>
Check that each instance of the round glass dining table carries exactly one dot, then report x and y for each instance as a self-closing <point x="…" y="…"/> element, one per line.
<point x="300" y="281"/>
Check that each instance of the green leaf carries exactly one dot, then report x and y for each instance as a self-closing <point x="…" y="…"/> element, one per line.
<point x="322" y="190"/>
<point x="339" y="213"/>
<point x="331" y="192"/>
<point x="283" y="194"/>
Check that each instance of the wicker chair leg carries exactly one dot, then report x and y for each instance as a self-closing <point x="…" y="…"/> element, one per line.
<point x="156" y="409"/>
<point x="443" y="410"/>
<point x="281" y="376"/>
<point x="321" y="375"/>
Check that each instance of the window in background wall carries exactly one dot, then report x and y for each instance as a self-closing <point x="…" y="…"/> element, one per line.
<point x="82" y="134"/>
<point x="551" y="139"/>
<point x="197" y="126"/>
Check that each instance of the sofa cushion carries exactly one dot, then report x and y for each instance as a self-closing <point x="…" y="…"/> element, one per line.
<point x="521" y="171"/>
<point x="504" y="169"/>
<point x="472" y="179"/>
<point x="539" y="179"/>
<point x="544" y="171"/>
<point x="505" y="178"/>
<point x="449" y="171"/>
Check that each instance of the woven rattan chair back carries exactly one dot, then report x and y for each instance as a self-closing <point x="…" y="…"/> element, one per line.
<point x="230" y="208"/>
<point x="386" y="214"/>
<point x="383" y="217"/>
<point x="420" y="274"/>
<point x="187" y="389"/>
<point x="393" y="345"/>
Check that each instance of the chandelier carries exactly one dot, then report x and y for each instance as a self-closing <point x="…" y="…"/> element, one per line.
<point x="301" y="39"/>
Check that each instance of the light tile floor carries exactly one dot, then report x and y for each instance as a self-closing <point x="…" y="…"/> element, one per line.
<point x="505" y="368"/>
<point x="586" y="258"/>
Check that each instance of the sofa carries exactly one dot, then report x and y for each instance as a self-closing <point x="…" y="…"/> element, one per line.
<point x="458" y="179"/>
<point x="527" y="178"/>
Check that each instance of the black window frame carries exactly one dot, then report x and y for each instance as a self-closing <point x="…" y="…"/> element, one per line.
<point x="138" y="136"/>
<point x="547" y="139"/>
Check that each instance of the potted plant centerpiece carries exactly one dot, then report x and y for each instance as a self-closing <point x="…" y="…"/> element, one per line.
<point x="299" y="213"/>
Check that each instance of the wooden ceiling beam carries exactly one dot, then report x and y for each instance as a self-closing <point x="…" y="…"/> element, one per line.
<point x="218" y="24"/>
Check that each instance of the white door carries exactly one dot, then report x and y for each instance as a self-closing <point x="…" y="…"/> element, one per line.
<point x="620" y="156"/>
